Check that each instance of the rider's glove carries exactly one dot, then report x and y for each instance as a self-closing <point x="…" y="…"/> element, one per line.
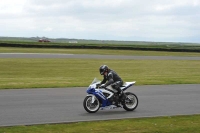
<point x="98" y="85"/>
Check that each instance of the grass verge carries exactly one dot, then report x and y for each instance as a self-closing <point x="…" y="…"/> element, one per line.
<point x="175" y="124"/>
<point x="43" y="73"/>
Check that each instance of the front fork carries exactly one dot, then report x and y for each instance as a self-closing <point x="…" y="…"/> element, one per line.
<point x="93" y="98"/>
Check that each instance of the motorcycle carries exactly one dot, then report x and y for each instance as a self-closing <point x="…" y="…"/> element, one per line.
<point x="108" y="98"/>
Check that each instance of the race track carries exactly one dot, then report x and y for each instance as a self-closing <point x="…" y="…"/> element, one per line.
<point x="63" y="105"/>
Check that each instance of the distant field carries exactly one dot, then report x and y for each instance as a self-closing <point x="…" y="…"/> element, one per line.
<point x="95" y="51"/>
<point x="101" y="44"/>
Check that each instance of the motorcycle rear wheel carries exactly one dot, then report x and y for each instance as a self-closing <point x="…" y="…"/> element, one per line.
<point x="130" y="102"/>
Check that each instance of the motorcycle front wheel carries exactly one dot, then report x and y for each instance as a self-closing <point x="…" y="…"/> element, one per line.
<point x="130" y="102"/>
<point x="89" y="106"/>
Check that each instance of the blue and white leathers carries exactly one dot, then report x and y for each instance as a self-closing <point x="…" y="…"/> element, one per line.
<point x="98" y="98"/>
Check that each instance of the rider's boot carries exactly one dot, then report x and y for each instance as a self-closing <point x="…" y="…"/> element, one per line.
<point x="120" y="92"/>
<point x="117" y="104"/>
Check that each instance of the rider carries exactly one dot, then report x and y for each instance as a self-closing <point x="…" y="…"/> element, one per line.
<point x="112" y="77"/>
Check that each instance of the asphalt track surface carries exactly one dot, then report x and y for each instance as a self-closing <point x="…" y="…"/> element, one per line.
<point x="64" y="105"/>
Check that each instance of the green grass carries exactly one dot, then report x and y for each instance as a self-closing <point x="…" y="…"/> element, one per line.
<point x="175" y="124"/>
<point x="95" y="51"/>
<point x="43" y="73"/>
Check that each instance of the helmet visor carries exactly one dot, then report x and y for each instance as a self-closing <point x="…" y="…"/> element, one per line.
<point x="102" y="71"/>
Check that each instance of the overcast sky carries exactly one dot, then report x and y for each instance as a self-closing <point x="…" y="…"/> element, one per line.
<point x="128" y="20"/>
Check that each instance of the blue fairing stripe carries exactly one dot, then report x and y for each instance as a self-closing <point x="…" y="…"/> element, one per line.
<point x="100" y="96"/>
<point x="98" y="92"/>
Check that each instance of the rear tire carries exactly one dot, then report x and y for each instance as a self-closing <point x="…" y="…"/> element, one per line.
<point x="130" y="101"/>
<point x="91" y="107"/>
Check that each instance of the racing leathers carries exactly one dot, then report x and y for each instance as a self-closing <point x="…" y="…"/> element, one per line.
<point x="113" y="79"/>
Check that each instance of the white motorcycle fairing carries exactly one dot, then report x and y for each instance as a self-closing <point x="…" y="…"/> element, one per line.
<point x="103" y="97"/>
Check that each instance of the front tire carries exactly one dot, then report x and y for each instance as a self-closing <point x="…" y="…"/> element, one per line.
<point x="130" y="102"/>
<point x="91" y="107"/>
